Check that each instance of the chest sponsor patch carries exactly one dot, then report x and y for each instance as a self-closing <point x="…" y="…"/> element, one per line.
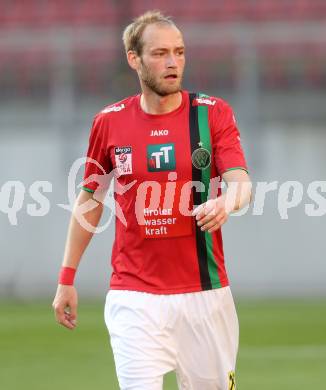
<point x="160" y="157"/>
<point x="166" y="219"/>
<point x="123" y="159"/>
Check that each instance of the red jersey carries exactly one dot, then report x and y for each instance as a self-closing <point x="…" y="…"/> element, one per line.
<point x="172" y="163"/>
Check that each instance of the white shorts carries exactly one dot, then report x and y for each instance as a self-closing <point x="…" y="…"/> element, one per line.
<point x="195" y="334"/>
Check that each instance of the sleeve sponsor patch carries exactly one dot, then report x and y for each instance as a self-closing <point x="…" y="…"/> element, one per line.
<point x="123" y="159"/>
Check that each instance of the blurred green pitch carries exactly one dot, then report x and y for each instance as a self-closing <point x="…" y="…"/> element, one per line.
<point x="282" y="347"/>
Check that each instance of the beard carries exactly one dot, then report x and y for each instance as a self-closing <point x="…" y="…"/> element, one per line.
<point x="156" y="85"/>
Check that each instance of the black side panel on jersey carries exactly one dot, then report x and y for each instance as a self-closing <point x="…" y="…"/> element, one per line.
<point x="196" y="177"/>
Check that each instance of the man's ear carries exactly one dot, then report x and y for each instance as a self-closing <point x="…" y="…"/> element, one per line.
<point x="133" y="59"/>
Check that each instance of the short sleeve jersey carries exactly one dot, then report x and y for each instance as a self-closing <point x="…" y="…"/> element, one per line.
<point x="164" y="166"/>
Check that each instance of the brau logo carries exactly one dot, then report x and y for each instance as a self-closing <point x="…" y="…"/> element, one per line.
<point x="160" y="157"/>
<point x="205" y="101"/>
<point x="113" y="108"/>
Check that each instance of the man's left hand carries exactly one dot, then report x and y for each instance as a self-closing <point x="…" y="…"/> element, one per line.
<point x="211" y="215"/>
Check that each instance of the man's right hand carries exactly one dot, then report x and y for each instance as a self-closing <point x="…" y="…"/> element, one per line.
<point x="65" y="306"/>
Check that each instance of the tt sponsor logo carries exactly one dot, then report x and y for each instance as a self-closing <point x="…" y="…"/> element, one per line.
<point x="160" y="157"/>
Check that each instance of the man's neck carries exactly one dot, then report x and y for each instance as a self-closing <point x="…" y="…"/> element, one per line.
<point x="152" y="103"/>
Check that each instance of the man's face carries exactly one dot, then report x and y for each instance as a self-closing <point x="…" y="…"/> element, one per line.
<point x="163" y="59"/>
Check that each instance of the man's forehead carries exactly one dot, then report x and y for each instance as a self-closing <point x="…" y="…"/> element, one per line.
<point x="162" y="36"/>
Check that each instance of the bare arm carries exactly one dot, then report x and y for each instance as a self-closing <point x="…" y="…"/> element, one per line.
<point x="212" y="214"/>
<point x="66" y="299"/>
<point x="238" y="194"/>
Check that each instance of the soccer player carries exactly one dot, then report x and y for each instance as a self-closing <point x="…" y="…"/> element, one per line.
<point x="169" y="305"/>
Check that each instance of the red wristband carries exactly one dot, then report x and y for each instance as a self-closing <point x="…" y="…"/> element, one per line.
<point x="67" y="276"/>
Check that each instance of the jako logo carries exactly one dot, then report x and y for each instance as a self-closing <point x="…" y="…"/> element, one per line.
<point x="160" y="157"/>
<point x="155" y="133"/>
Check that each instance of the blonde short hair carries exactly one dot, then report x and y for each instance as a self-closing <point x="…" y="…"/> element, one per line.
<point x="132" y="34"/>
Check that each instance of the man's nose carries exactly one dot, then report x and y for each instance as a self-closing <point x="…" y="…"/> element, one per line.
<point x="171" y="61"/>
